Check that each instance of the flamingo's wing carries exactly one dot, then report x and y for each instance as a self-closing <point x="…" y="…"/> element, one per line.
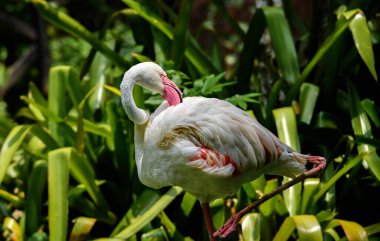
<point x="218" y="137"/>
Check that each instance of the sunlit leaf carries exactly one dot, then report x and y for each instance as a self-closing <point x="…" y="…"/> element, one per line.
<point x="10" y="146"/>
<point x="82" y="228"/>
<point x="58" y="184"/>
<point x="287" y="132"/>
<point x="251" y="227"/>
<point x="362" y="39"/>
<point x="308" y="99"/>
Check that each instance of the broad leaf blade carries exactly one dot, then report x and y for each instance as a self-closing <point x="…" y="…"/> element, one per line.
<point x="286" y="124"/>
<point x="282" y="42"/>
<point x="353" y="231"/>
<point x="308" y="228"/>
<point x="10" y="146"/>
<point x="308" y="99"/>
<point x="82" y="228"/>
<point x="362" y="39"/>
<point x="58" y="185"/>
<point x="251" y="227"/>
<point x="362" y="127"/>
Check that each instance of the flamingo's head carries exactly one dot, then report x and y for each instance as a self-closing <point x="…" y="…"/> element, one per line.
<point x="152" y="77"/>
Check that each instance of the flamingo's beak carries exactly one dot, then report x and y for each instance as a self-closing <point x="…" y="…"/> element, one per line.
<point x="172" y="93"/>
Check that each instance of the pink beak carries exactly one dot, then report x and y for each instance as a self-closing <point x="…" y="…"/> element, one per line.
<point x="172" y="93"/>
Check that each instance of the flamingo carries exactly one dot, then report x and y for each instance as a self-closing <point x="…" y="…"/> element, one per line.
<point x="207" y="146"/>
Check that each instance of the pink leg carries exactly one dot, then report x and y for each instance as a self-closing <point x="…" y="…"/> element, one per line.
<point x="208" y="219"/>
<point x="230" y="226"/>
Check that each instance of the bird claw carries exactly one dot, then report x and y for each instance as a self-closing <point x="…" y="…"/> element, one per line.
<point x="228" y="227"/>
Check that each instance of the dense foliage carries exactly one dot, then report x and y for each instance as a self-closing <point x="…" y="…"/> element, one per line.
<point x="306" y="70"/>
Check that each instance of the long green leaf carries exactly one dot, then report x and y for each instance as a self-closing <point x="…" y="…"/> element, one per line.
<point x="145" y="201"/>
<point x="362" y="39"/>
<point x="58" y="184"/>
<point x="34" y="201"/>
<point x="83" y="172"/>
<point x="372" y="111"/>
<point x="286" y="124"/>
<point x="286" y="229"/>
<point x="308" y="228"/>
<point x="10" y="146"/>
<point x="150" y="214"/>
<point x="250" y="49"/>
<point x="82" y="228"/>
<point x="251" y="227"/>
<point x="282" y="42"/>
<point x="362" y="127"/>
<point x="310" y="187"/>
<point x="353" y="231"/>
<point x="180" y="32"/>
<point x="308" y="99"/>
<point x="71" y="26"/>
<point x="58" y="79"/>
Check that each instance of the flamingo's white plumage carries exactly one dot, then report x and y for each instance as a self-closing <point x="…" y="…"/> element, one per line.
<point x="205" y="145"/>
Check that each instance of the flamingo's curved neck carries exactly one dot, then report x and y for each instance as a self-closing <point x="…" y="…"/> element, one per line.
<point x="137" y="115"/>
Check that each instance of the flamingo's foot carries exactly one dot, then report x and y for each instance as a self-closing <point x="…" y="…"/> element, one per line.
<point x="318" y="162"/>
<point x="228" y="227"/>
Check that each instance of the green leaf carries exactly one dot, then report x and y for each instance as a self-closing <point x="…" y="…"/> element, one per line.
<point x="45" y="137"/>
<point x="286" y="124"/>
<point x="372" y="111"/>
<point x="251" y="227"/>
<point x="310" y="187"/>
<point x="82" y="228"/>
<point x="12" y="142"/>
<point x="149" y="214"/>
<point x="282" y="42"/>
<point x="71" y="26"/>
<point x="83" y="172"/>
<point x="144" y="202"/>
<point x="268" y="207"/>
<point x="224" y="13"/>
<point x="362" y="127"/>
<point x="34" y="194"/>
<point x="362" y="39"/>
<point x="308" y="99"/>
<point x="180" y="32"/>
<point x="170" y="228"/>
<point x="157" y="234"/>
<point x="250" y="48"/>
<point x="187" y="203"/>
<point x="58" y="184"/>
<point x="36" y="95"/>
<point x="286" y="229"/>
<point x="58" y="79"/>
<point x="308" y="228"/>
<point x="373" y="229"/>
<point x="353" y="231"/>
